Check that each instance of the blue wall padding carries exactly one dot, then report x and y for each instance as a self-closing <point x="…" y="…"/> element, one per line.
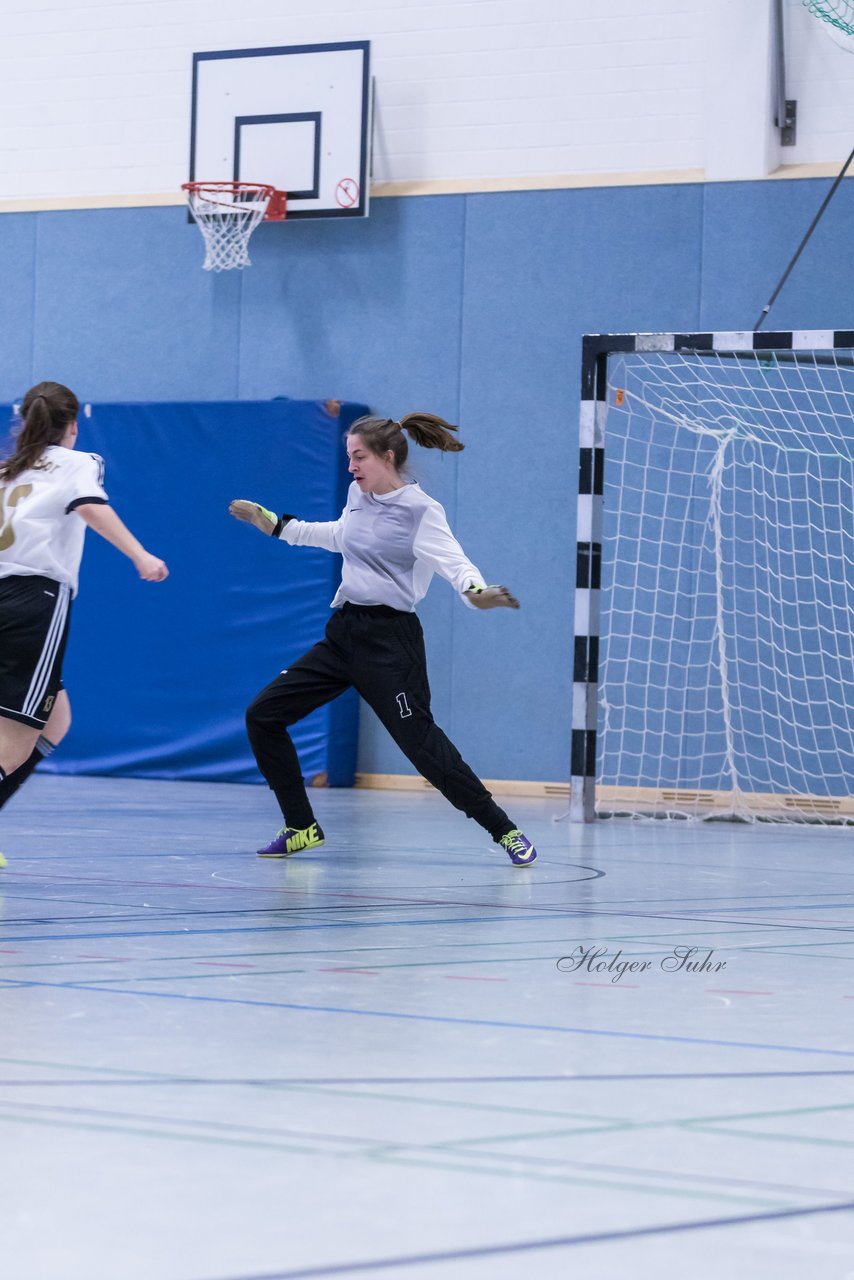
<point x="471" y="306"/>
<point x="160" y="674"/>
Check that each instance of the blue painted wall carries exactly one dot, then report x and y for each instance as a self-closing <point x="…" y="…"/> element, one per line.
<point x="470" y="306"/>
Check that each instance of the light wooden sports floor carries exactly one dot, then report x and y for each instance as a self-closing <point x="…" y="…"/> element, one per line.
<point x="384" y="1059"/>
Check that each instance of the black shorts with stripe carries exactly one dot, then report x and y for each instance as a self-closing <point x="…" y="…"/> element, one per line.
<point x="34" y="617"/>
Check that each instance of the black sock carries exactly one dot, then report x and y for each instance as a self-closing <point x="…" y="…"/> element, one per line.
<point x="10" y="782"/>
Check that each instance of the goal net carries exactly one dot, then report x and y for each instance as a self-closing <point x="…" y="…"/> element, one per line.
<point x="726" y="651"/>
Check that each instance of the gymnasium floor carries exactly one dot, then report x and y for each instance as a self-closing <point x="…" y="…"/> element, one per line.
<point x="368" y="1061"/>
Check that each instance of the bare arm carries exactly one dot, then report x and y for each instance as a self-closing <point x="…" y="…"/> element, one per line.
<point x="104" y="521"/>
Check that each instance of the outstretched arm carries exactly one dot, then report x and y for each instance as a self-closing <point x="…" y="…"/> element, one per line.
<point x="104" y="521"/>
<point x="299" y="533"/>
<point x="437" y="547"/>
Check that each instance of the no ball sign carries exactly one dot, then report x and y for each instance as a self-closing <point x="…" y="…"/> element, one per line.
<point x="347" y="193"/>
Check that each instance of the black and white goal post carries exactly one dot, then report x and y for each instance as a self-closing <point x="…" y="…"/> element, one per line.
<point x="713" y="662"/>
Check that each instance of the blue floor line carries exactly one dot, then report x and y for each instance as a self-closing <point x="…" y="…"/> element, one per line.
<point x="266" y="1082"/>
<point x="574" y="913"/>
<point x="556" y="1242"/>
<point x="271" y="928"/>
<point x="427" y="1017"/>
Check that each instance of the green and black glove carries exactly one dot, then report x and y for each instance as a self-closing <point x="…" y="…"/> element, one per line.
<point x="253" y="513"/>
<point x="490" y="597"/>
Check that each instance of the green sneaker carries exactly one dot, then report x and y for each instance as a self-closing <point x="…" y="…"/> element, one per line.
<point x="291" y="840"/>
<point x="518" y="848"/>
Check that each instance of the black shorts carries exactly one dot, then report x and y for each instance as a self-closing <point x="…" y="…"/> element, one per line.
<point x="34" y="617"/>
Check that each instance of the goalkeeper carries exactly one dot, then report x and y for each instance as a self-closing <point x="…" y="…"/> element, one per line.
<point x="393" y="538"/>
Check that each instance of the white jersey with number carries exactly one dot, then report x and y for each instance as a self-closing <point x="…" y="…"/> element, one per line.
<point x="39" y="531"/>
<point x="392" y="544"/>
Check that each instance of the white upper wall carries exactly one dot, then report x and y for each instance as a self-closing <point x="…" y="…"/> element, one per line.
<point x="95" y="94"/>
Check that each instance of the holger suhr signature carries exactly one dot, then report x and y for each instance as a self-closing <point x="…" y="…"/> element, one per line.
<point x="682" y="959"/>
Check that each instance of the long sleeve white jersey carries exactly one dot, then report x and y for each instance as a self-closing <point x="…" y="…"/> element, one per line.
<point x="392" y="544"/>
<point x="39" y="533"/>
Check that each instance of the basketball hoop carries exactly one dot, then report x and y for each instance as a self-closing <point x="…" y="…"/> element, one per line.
<point x="227" y="213"/>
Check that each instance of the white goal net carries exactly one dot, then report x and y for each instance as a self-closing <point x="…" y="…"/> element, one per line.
<point x="726" y="683"/>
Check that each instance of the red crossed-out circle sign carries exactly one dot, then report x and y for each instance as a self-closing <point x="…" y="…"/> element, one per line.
<point x="347" y="193"/>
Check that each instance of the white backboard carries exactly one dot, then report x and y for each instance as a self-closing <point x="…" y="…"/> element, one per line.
<point x="297" y="117"/>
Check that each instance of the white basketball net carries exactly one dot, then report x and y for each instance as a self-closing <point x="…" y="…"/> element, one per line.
<point x="227" y="214"/>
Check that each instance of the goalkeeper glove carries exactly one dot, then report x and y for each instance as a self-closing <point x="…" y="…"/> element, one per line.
<point x="253" y="513"/>
<point x="490" y="597"/>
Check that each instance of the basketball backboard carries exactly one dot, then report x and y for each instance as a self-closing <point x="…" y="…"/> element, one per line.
<point x="297" y="117"/>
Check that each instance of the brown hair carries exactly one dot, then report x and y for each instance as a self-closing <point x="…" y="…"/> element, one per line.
<point x="382" y="434"/>
<point x="47" y="411"/>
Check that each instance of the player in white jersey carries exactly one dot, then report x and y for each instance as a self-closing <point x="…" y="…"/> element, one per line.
<point x="393" y="538"/>
<point x="48" y="495"/>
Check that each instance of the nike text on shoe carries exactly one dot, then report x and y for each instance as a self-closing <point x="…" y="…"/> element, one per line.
<point x="291" y="840"/>
<point x="518" y="848"/>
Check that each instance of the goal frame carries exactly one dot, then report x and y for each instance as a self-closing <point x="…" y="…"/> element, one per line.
<point x="595" y="351"/>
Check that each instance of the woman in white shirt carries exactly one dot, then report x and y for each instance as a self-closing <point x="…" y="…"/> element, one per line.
<point x="393" y="538"/>
<point x="48" y="495"/>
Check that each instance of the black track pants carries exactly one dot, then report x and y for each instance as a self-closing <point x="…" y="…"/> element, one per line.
<point x="380" y="651"/>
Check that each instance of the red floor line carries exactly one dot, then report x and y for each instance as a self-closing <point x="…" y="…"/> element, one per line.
<point x="465" y="977"/>
<point x="344" y="969"/>
<point x="633" y="985"/>
<point x="734" y="991"/>
<point x="85" y="956"/>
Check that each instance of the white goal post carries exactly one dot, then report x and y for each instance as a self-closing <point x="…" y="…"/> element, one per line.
<point x="714" y="608"/>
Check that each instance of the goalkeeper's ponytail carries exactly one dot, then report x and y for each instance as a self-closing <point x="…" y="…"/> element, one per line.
<point x="426" y="429"/>
<point x="431" y="432"/>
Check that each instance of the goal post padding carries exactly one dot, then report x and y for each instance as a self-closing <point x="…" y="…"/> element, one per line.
<point x="714" y="659"/>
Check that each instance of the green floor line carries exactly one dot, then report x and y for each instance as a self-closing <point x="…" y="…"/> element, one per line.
<point x="249" y="1144"/>
<point x="453" y="1104"/>
<point x="788" y="1112"/>
<point x="187" y="977"/>
<point x="92" y="1126"/>
<point x="75" y="1066"/>
<point x="800" y="1139"/>
<point x="591" y="1183"/>
<point x="271" y="1132"/>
